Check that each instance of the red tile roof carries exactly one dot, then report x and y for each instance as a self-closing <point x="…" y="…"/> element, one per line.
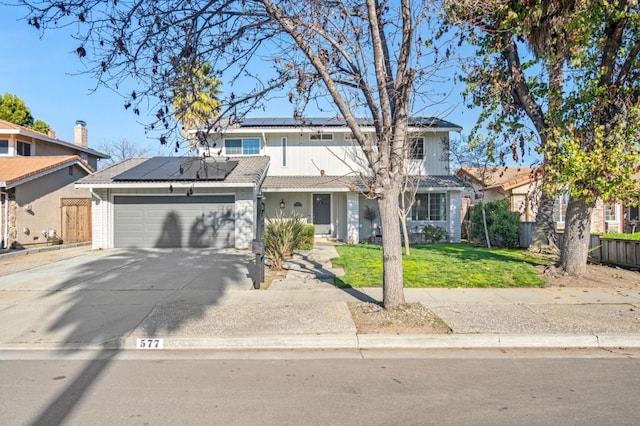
<point x="501" y="177"/>
<point x="15" y="169"/>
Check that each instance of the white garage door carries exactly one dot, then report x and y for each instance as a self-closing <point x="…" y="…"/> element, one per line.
<point x="145" y="221"/>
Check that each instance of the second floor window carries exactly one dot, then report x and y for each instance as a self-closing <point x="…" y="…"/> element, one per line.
<point x="416" y="147"/>
<point x="431" y="206"/>
<point x="321" y="137"/>
<point x="4" y="147"/>
<point x="284" y="152"/>
<point x="249" y="146"/>
<point x="23" y="149"/>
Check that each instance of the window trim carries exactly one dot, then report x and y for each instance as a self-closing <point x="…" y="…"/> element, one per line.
<point x="616" y="213"/>
<point x="427" y="208"/>
<point x="8" y="145"/>
<point x="414" y="145"/>
<point x="242" y="146"/>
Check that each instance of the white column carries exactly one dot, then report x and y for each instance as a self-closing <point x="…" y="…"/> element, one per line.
<point x="353" y="218"/>
<point x="455" y="220"/>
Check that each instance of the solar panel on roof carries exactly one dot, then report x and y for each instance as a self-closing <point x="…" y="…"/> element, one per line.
<point x="178" y="169"/>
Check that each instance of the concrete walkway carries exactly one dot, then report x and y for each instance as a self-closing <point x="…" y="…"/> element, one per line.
<point x="203" y="300"/>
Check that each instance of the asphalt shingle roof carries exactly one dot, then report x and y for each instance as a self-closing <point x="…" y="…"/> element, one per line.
<point x="335" y="122"/>
<point x="249" y="170"/>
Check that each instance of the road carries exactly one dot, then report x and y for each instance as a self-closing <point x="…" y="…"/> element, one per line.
<point x="377" y="388"/>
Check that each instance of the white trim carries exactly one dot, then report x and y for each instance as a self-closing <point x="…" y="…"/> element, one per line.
<point x="309" y="190"/>
<point x="150" y="185"/>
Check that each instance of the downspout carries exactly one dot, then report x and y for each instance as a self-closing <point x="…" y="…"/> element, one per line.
<point x="5" y="221"/>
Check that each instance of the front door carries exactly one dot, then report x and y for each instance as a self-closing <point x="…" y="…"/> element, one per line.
<point x="322" y="213"/>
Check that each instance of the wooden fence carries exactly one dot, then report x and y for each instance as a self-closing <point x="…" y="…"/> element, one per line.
<point x="605" y="250"/>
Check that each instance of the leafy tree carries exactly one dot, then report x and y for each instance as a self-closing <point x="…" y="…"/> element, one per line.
<point x="503" y="224"/>
<point x="14" y="110"/>
<point x="40" y="126"/>
<point x="579" y="90"/>
<point x="362" y="58"/>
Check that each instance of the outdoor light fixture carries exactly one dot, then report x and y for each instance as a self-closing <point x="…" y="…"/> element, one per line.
<point x="282" y="204"/>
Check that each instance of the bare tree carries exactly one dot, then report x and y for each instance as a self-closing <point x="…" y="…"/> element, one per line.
<point x="365" y="59"/>
<point x="123" y="149"/>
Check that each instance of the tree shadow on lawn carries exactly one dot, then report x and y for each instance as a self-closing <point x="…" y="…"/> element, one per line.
<point x="107" y="298"/>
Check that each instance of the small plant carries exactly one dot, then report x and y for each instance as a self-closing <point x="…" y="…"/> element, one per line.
<point x="371" y="215"/>
<point x="281" y="236"/>
<point x="307" y="237"/>
<point x="434" y="233"/>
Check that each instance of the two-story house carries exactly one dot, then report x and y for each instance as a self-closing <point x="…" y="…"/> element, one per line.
<point x="38" y="201"/>
<point x="311" y="167"/>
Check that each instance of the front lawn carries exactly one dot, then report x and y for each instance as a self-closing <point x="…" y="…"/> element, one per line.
<point x="441" y="265"/>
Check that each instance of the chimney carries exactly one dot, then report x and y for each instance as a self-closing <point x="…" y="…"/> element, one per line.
<point x="51" y="133"/>
<point x="80" y="134"/>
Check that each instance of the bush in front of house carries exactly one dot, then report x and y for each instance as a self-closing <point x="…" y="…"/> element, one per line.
<point x="307" y="237"/>
<point x="503" y="224"/>
<point x="282" y="235"/>
<point x="434" y="234"/>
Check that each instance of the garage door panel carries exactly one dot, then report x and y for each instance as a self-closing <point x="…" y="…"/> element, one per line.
<point x="156" y="221"/>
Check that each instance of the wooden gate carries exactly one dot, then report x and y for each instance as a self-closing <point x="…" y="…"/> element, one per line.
<point x="76" y="220"/>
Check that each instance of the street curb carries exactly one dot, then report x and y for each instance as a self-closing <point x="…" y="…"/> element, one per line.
<point x="359" y="342"/>
<point x="43" y="249"/>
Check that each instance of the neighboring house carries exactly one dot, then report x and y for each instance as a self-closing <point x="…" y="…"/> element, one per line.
<point x="305" y="168"/>
<point x="38" y="201"/>
<point x="521" y="186"/>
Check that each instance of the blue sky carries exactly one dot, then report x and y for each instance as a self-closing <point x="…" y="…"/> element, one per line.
<point x="44" y="73"/>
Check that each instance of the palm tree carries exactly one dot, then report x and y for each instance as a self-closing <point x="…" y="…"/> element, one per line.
<point x="195" y="97"/>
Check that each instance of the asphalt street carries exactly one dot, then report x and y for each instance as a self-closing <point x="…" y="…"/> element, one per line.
<point x="496" y="388"/>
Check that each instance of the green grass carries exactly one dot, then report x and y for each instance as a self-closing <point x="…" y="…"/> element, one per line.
<point x="441" y="265"/>
<point x="621" y="236"/>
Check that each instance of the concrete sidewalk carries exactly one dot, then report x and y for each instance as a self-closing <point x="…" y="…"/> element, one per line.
<point x="49" y="307"/>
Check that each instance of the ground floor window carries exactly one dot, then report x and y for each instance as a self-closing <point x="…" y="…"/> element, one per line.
<point x="430" y="206"/>
<point x="610" y="212"/>
<point x="560" y="207"/>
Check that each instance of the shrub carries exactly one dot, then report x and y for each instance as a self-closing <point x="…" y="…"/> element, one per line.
<point x="307" y="237"/>
<point x="434" y="233"/>
<point x="502" y="223"/>
<point x="281" y="236"/>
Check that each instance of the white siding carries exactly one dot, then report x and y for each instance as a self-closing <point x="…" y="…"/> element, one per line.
<point x="337" y="157"/>
<point x="353" y="218"/>
<point x="244" y="231"/>
<point x="100" y="219"/>
<point x="455" y="207"/>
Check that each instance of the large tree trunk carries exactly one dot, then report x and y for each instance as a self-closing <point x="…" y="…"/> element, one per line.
<point x="544" y="233"/>
<point x="575" y="249"/>
<point x="392" y="281"/>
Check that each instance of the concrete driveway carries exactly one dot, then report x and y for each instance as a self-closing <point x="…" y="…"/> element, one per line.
<point x="98" y="296"/>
